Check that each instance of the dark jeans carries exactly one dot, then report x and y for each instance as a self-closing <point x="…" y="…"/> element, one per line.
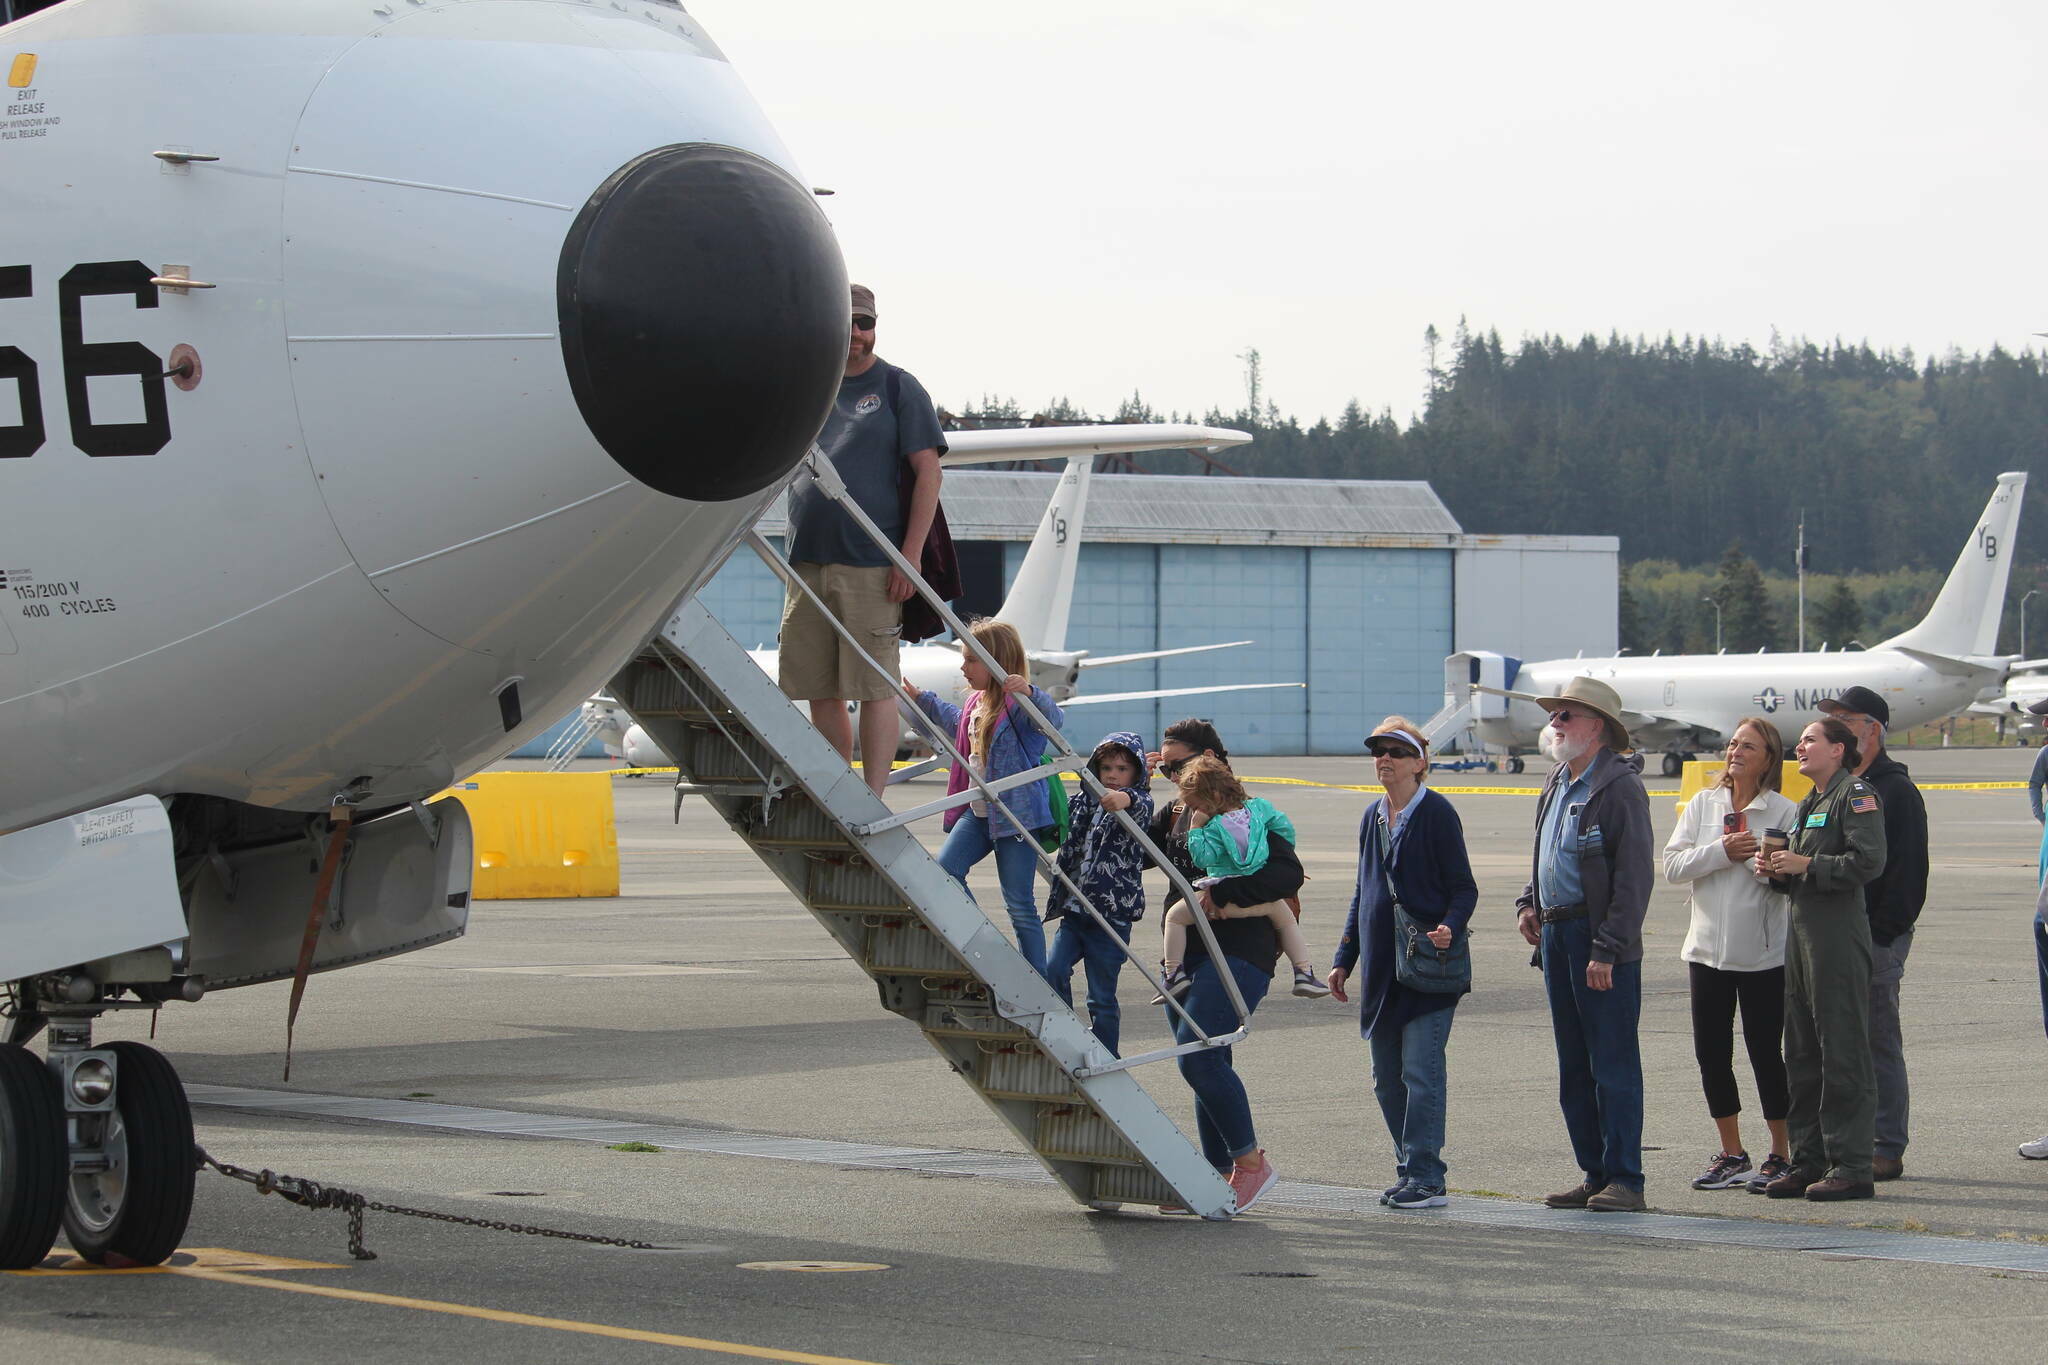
<point x="1081" y="939"/>
<point x="1715" y="994"/>
<point x="1223" y="1113"/>
<point x="1410" y="1077"/>
<point x="1888" y="1045"/>
<point x="1599" y="1058"/>
<point x="2041" y="961"/>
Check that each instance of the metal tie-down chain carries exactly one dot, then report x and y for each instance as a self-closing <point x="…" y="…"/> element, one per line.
<point x="312" y="1194"/>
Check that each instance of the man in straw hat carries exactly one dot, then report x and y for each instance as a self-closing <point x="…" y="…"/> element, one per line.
<point x="1583" y="910"/>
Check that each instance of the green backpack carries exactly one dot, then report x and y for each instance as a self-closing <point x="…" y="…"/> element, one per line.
<point x="1051" y="836"/>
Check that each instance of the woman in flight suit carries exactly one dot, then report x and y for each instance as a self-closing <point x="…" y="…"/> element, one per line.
<point x="1837" y="844"/>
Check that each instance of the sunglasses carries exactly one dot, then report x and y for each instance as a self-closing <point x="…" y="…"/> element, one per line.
<point x="863" y="324"/>
<point x="1564" y="717"/>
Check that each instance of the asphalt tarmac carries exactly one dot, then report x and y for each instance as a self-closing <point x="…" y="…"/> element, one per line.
<point x="703" y="998"/>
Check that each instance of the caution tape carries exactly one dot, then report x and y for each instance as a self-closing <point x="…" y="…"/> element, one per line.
<point x="1375" y="788"/>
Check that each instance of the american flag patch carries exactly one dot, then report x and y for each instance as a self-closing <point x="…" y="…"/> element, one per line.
<point x="1863" y="805"/>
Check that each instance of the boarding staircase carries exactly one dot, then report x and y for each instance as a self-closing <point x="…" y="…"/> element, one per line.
<point x="568" y="746"/>
<point x="935" y="957"/>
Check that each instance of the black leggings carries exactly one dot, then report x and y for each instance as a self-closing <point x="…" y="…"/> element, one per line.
<point x="1714" y="997"/>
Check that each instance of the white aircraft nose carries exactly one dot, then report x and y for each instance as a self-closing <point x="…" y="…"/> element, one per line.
<point x="555" y="311"/>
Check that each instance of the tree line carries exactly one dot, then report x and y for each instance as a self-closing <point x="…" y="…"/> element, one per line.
<point x="1696" y="455"/>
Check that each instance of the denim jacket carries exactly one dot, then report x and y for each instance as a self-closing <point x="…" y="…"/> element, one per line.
<point x="1016" y="745"/>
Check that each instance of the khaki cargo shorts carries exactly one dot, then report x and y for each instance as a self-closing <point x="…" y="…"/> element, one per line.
<point x="814" y="663"/>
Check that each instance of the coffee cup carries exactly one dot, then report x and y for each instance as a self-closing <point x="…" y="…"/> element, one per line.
<point x="1775" y="841"/>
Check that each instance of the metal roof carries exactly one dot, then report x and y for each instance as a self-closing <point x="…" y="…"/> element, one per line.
<point x="1193" y="509"/>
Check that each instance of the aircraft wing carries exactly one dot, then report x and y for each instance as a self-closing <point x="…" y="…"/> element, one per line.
<point x="1097" y="661"/>
<point x="1059" y="443"/>
<point x="1101" y="698"/>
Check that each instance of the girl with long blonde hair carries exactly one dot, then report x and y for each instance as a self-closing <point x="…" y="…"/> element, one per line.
<point x="999" y="739"/>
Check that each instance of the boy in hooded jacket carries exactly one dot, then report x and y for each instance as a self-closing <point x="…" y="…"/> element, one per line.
<point x="1105" y="860"/>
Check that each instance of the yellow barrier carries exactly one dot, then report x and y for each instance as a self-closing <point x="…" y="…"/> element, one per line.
<point x="1701" y="774"/>
<point x="541" y="835"/>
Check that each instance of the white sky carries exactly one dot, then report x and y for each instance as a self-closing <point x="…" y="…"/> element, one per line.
<point x="1087" y="197"/>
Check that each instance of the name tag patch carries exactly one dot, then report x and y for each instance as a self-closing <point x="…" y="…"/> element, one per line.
<point x="1863" y="805"/>
<point x="1817" y="819"/>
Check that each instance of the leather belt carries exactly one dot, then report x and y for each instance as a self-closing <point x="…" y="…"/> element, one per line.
<point x="1547" y="915"/>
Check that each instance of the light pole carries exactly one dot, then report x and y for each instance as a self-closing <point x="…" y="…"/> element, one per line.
<point x="2023" y="621"/>
<point x="1717" y="622"/>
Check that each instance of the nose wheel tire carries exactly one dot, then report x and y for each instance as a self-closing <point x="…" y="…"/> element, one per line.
<point x="1674" y="764"/>
<point x="31" y="1158"/>
<point x="134" y="1210"/>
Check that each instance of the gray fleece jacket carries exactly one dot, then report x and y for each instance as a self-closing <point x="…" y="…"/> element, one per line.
<point x="1618" y="868"/>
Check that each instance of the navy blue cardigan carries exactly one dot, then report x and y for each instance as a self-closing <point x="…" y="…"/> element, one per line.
<point x="1433" y="877"/>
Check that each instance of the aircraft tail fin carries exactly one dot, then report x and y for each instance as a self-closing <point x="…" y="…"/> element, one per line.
<point x="1042" y="597"/>
<point x="1963" y="622"/>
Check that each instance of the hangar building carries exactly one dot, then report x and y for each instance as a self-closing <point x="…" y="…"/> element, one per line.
<point x="1357" y="588"/>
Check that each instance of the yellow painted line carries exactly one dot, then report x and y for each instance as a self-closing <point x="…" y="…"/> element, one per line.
<point x="464" y="1310"/>
<point x="203" y="1258"/>
<point x="1971" y="786"/>
<point x="1376" y="788"/>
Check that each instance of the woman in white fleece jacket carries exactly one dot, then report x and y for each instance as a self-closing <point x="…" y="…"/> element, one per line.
<point x="1735" y="949"/>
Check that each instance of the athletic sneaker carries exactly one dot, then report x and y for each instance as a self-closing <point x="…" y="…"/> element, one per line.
<point x="1725" y="1171"/>
<point x="2037" y="1150"/>
<point x="1773" y="1167"/>
<point x="1307" y="986"/>
<point x="1387" y="1195"/>
<point x="1176" y="982"/>
<point x="1250" y="1182"/>
<point x="1419" y="1196"/>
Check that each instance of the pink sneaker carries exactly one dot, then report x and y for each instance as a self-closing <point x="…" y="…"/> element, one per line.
<point x="1249" y="1182"/>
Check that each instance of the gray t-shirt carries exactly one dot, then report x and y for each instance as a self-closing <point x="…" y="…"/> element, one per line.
<point x="867" y="441"/>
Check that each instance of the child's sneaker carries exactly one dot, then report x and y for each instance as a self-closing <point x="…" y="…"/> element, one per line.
<point x="1176" y="983"/>
<point x="1307" y="986"/>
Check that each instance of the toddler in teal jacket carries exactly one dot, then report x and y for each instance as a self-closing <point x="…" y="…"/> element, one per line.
<point x="1227" y="837"/>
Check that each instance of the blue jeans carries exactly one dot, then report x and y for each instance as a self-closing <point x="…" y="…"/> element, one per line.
<point x="1223" y="1113"/>
<point x="1412" y="1082"/>
<point x="2041" y="960"/>
<point x="1081" y="939"/>
<point x="1599" y="1058"/>
<point x="1016" y="866"/>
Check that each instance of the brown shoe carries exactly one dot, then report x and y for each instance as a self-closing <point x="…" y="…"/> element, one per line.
<point x="1834" y="1187"/>
<point x="1886" y="1168"/>
<point x="1618" y="1199"/>
<point x="1790" y="1185"/>
<point x="1575" y="1198"/>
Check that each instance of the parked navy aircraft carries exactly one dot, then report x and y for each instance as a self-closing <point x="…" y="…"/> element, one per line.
<point x="374" y="381"/>
<point x="1682" y="703"/>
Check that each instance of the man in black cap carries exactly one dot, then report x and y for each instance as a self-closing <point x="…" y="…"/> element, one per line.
<point x="882" y="425"/>
<point x="1892" y="900"/>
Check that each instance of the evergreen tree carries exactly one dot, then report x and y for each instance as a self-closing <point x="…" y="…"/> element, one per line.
<point x="1629" y="619"/>
<point x="1746" y="621"/>
<point x="1841" y="615"/>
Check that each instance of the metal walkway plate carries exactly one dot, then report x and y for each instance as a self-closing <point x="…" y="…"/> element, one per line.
<point x="1868" y="1243"/>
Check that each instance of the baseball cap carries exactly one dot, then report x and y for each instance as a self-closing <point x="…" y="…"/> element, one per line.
<point x="1859" y="701"/>
<point x="863" y="302"/>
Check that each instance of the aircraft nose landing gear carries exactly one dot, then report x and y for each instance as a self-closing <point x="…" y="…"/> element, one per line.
<point x="99" y="1141"/>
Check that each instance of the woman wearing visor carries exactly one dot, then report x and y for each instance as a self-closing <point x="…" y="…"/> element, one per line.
<point x="1406" y="936"/>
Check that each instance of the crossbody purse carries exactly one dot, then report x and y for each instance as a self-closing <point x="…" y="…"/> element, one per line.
<point x="1418" y="963"/>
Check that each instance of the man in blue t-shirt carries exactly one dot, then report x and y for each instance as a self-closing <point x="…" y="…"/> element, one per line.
<point x="882" y="436"/>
